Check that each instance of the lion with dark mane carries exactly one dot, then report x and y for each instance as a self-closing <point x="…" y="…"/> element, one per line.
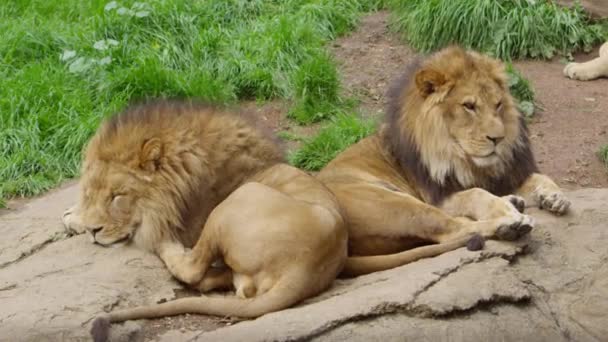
<point x="166" y="174"/>
<point x="452" y="160"/>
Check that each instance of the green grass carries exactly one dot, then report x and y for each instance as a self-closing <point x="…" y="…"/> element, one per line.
<point x="507" y="29"/>
<point x="67" y="64"/>
<point x="343" y="131"/>
<point x="603" y="154"/>
<point x="522" y="91"/>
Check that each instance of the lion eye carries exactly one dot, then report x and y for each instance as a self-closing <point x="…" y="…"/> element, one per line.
<point x="120" y="202"/>
<point x="469" y="106"/>
<point x="499" y="106"/>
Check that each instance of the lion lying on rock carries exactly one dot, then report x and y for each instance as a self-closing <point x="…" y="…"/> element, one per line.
<point x="157" y="173"/>
<point x="453" y="159"/>
<point x="590" y="70"/>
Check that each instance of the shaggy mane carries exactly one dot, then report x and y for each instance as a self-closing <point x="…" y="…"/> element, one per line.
<point x="406" y="151"/>
<point x="207" y="152"/>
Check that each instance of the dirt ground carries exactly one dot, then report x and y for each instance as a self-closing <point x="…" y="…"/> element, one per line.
<point x="566" y="134"/>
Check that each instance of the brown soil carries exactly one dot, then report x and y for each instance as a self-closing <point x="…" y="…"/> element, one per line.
<point x="566" y="135"/>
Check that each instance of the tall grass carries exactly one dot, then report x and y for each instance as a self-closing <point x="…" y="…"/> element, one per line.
<point x="342" y="131"/>
<point x="506" y="29"/>
<point x="66" y="64"/>
<point x="522" y="91"/>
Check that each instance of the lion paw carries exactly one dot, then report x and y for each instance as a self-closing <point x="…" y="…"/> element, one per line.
<point x="520" y="226"/>
<point x="582" y="71"/>
<point x="518" y="202"/>
<point x="184" y="268"/>
<point x="555" y="202"/>
<point x="71" y="221"/>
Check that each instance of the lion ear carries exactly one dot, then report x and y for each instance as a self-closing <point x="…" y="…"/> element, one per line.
<point x="428" y="81"/>
<point x="151" y="152"/>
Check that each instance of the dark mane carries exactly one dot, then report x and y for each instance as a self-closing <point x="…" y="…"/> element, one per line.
<point x="406" y="152"/>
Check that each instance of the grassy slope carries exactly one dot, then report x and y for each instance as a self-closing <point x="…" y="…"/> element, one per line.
<point x="67" y="64"/>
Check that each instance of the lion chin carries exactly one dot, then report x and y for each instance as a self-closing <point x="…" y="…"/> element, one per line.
<point x="487" y="161"/>
<point x="452" y="161"/>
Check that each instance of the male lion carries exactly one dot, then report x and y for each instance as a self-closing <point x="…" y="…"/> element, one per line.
<point x="590" y="70"/>
<point x="452" y="144"/>
<point x="157" y="173"/>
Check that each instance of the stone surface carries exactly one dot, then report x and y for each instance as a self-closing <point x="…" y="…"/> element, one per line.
<point x="553" y="286"/>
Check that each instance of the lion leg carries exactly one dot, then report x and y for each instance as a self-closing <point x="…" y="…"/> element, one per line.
<point x="480" y="204"/>
<point x="189" y="266"/>
<point x="216" y="279"/>
<point x="382" y="221"/>
<point x="72" y="221"/>
<point x="484" y="207"/>
<point x="590" y="70"/>
<point x="604" y="50"/>
<point x="539" y="190"/>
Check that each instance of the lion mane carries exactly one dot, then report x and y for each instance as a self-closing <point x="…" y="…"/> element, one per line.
<point x="184" y="157"/>
<point x="415" y="138"/>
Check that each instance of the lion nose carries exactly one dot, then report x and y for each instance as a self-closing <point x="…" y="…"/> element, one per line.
<point x="495" y="140"/>
<point x="95" y="229"/>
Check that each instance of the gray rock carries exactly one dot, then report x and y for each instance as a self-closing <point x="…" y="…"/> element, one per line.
<point x="551" y="287"/>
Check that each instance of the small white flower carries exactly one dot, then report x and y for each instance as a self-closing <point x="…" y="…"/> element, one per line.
<point x="110" y="6"/>
<point x="78" y="65"/>
<point x="105" y="61"/>
<point x="67" y="55"/>
<point x="104" y="44"/>
<point x="100" y="45"/>
<point x="141" y="14"/>
<point x="123" y="11"/>
<point x="139" y="5"/>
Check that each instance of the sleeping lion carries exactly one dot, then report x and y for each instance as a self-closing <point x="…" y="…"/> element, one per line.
<point x="452" y="159"/>
<point x="159" y="173"/>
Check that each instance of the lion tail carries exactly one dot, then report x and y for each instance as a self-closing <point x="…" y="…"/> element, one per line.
<point x="360" y="265"/>
<point x="285" y="293"/>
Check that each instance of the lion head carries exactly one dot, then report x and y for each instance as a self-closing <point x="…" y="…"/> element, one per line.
<point x="453" y="124"/>
<point x="156" y="171"/>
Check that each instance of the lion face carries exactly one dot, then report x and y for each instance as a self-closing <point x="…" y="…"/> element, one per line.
<point x="468" y="113"/>
<point x="109" y="204"/>
<point x="115" y="186"/>
<point x="475" y="117"/>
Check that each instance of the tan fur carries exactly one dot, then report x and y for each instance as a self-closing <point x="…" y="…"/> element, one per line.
<point x="157" y="173"/>
<point x="447" y="164"/>
<point x="593" y="69"/>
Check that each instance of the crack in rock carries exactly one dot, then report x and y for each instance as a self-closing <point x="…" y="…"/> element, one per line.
<point x="410" y="287"/>
<point x="58" y="236"/>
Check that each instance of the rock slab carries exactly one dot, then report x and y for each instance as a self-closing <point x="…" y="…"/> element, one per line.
<point x="551" y="287"/>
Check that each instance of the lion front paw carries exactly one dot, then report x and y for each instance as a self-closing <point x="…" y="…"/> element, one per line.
<point x="555" y="202"/>
<point x="582" y="71"/>
<point x="71" y="221"/>
<point x="514" y="228"/>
